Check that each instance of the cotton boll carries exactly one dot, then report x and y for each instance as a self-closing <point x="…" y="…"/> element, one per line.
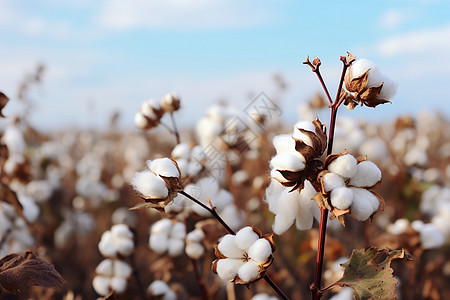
<point x="308" y="209"/>
<point x="275" y="174"/>
<point x="360" y="66"/>
<point x="361" y="209"/>
<point x="367" y="175"/>
<point x="106" y="245"/>
<point x="344" y="166"/>
<point x="181" y="151"/>
<point x="101" y="285"/>
<point x="194" y="250"/>
<point x="369" y="196"/>
<point x="288" y="161"/>
<point x="232" y="216"/>
<point x="389" y="88"/>
<point x="122" y="269"/>
<point x="287" y="207"/>
<point x="415" y="156"/>
<point x="150" y="185"/>
<point x="332" y="181"/>
<point x="178" y="231"/>
<point x="228" y="247"/>
<point x="431" y="237"/>
<point x="148" y="107"/>
<point x="141" y="121"/>
<point x="164" y="167"/>
<point x="175" y="247"/>
<point x="162" y="226"/>
<point x="248" y="271"/>
<point x="158" y="243"/>
<point x="398" y="227"/>
<point x="341" y="197"/>
<point x="283" y="143"/>
<point x="299" y="135"/>
<point x="193" y="168"/>
<point x="417" y="225"/>
<point x="375" y="149"/>
<point x="442" y="223"/>
<point x="118" y="284"/>
<point x="158" y="288"/>
<point x="246" y="237"/>
<point x="105" y="267"/>
<point x="121" y="231"/>
<point x="223" y="199"/>
<point x="227" y="268"/>
<point x="197" y="235"/>
<point x="30" y="208"/>
<point x="124" y="246"/>
<point x="260" y="250"/>
<point x="14" y="140"/>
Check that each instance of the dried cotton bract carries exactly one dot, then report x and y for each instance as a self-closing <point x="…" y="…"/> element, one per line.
<point x="243" y="258"/>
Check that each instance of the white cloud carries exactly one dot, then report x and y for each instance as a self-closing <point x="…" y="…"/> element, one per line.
<point x="393" y="18"/>
<point x="426" y="42"/>
<point x="119" y="14"/>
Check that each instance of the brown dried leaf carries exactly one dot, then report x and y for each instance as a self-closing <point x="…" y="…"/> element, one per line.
<point x="3" y="100"/>
<point x="371" y="93"/>
<point x="18" y="271"/>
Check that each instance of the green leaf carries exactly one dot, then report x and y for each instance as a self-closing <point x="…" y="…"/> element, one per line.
<point x="369" y="273"/>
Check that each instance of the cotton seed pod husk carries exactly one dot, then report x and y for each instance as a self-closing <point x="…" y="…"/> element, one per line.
<point x="318" y="139"/>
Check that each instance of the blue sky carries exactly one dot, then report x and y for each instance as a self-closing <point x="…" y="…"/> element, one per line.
<point x="113" y="54"/>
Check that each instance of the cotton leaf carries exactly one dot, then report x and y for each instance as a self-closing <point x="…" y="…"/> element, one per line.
<point x="18" y="271"/>
<point x="369" y="273"/>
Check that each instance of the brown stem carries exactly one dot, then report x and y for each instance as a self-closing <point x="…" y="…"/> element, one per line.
<point x="225" y="225"/>
<point x="175" y="129"/>
<point x="316" y="70"/>
<point x="316" y="287"/>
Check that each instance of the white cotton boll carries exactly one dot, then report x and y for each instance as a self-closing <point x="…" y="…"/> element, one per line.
<point x="305" y="125"/>
<point x="228" y="247"/>
<point x="159" y="243"/>
<point x="164" y="167"/>
<point x="175" y="247"/>
<point x="106" y="245"/>
<point x="30" y="208"/>
<point x="197" y="235"/>
<point x="240" y="177"/>
<point x="275" y="174"/>
<point x="367" y="174"/>
<point x="361" y="208"/>
<point x="417" y="225"/>
<point x="183" y="165"/>
<point x="360" y="66"/>
<point x="228" y="268"/>
<point x="398" y="227"/>
<point x="368" y="196"/>
<point x="124" y="246"/>
<point x="223" y="199"/>
<point x="178" y="231"/>
<point x="431" y="237"/>
<point x="141" y="121"/>
<point x="415" y="156"/>
<point x="14" y="140"/>
<point x="122" y="231"/>
<point x="374" y="148"/>
<point x="288" y="161"/>
<point x="158" y="288"/>
<point x="122" y="269"/>
<point x="389" y="88"/>
<point x="118" y="284"/>
<point x="105" y="267"/>
<point x="193" y="168"/>
<point x="248" y="271"/>
<point x="442" y="223"/>
<point x="194" y="250"/>
<point x="101" y="285"/>
<point x="332" y="181"/>
<point x="41" y="190"/>
<point x="283" y="143"/>
<point x="344" y="166"/>
<point x="149" y="185"/>
<point x="246" y="237"/>
<point x="260" y="250"/>
<point x="341" y="197"/>
<point x="181" y="151"/>
<point x="162" y="226"/>
<point x="308" y="209"/>
<point x="147" y="108"/>
<point x="287" y="206"/>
